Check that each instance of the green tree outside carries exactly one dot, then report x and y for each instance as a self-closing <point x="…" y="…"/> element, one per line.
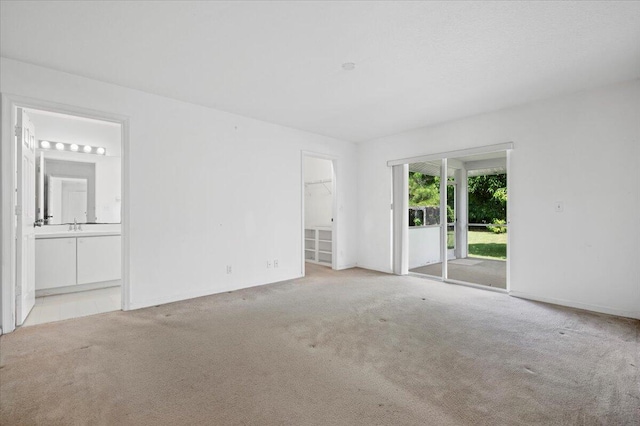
<point x="487" y="196"/>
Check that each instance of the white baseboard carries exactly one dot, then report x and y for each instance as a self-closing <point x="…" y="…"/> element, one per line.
<point x="76" y="288"/>
<point x="348" y="266"/>
<point x="578" y="305"/>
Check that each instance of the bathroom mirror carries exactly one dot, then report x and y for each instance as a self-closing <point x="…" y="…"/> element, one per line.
<point x="80" y="191"/>
<point x="67" y="199"/>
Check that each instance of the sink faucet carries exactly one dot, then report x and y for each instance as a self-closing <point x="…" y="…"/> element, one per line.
<point x="75" y="226"/>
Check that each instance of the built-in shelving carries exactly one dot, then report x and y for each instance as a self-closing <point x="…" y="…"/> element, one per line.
<point x="318" y="245"/>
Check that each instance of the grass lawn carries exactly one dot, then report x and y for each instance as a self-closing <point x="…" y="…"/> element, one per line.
<point x="487" y="244"/>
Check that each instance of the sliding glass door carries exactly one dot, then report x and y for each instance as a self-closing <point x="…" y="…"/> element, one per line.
<point x="457" y="218"/>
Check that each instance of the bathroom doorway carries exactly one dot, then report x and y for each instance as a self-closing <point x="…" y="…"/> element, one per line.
<point x="318" y="211"/>
<point x="67" y="257"/>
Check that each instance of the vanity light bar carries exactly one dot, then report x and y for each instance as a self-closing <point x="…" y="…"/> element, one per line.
<point x="61" y="146"/>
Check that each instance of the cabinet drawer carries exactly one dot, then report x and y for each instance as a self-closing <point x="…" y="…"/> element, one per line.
<point x="55" y="262"/>
<point x="99" y="259"/>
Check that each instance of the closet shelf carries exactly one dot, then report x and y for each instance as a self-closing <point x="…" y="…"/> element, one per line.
<point x="322" y="182"/>
<point x="318" y="250"/>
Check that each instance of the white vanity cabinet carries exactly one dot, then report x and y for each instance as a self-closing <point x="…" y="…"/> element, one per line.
<point x="98" y="259"/>
<point x="75" y="260"/>
<point x="55" y="262"/>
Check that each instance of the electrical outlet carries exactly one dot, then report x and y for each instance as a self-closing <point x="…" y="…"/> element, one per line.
<point x="275" y="263"/>
<point x="268" y="264"/>
<point x="228" y="269"/>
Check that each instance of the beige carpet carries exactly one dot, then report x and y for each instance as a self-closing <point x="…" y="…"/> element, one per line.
<point x="337" y="348"/>
<point x="492" y="273"/>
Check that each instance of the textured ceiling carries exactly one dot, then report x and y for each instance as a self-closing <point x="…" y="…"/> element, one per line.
<point x="417" y="63"/>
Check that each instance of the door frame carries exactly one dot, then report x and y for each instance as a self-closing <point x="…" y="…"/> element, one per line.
<point x="8" y="220"/>
<point x="334" y="208"/>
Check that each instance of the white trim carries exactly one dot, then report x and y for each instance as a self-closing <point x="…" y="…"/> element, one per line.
<point x="400" y="225"/>
<point x="577" y="305"/>
<point x="508" y="224"/>
<point x="334" y="207"/>
<point x="494" y="163"/>
<point x="452" y="154"/>
<point x="7" y="198"/>
<point x="444" y="226"/>
<point x="7" y="217"/>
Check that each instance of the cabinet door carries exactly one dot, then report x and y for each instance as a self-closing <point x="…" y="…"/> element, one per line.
<point x="98" y="259"/>
<point x="55" y="262"/>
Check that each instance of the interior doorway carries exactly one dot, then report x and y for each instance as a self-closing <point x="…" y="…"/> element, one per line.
<point x="66" y="212"/>
<point x="319" y="210"/>
<point x="458" y="217"/>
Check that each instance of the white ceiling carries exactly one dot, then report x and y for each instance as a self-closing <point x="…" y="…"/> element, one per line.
<point x="417" y="63"/>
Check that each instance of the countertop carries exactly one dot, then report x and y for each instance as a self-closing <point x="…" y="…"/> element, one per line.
<point x="76" y="234"/>
<point x="88" y="230"/>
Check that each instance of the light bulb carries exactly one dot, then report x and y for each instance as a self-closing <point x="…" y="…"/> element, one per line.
<point x="45" y="144"/>
<point x="100" y="151"/>
<point x="73" y="147"/>
<point x="87" y="149"/>
<point x="60" y="146"/>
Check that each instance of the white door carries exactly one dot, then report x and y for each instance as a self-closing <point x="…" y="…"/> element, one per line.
<point x="40" y="188"/>
<point x="26" y="212"/>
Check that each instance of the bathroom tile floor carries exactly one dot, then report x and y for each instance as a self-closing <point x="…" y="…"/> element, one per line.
<point x="74" y="305"/>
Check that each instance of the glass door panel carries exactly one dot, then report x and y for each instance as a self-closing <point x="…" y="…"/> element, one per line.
<point x="482" y="194"/>
<point x="451" y="220"/>
<point x="425" y="227"/>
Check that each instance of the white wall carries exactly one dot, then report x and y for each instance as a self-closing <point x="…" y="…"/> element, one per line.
<point x="207" y="188"/>
<point x="79" y="130"/>
<point x="108" y="189"/>
<point x="582" y="149"/>
<point x="424" y="246"/>
<point x="318" y="197"/>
